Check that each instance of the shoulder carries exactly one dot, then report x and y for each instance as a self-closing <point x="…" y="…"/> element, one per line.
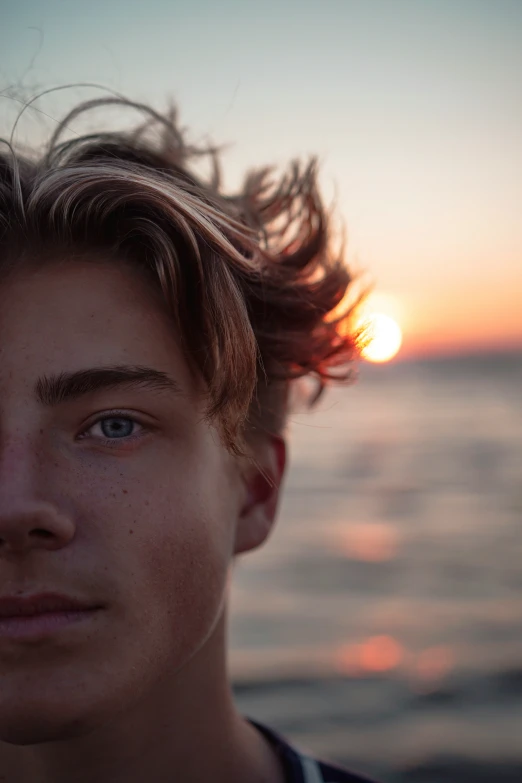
<point x="301" y="768"/>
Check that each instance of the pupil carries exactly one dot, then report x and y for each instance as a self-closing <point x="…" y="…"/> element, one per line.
<point x="114" y="428"/>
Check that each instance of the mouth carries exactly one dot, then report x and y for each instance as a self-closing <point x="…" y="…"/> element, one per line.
<point x="36" y="627"/>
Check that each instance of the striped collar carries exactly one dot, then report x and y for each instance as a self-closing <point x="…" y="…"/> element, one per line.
<point x="301" y="768"/>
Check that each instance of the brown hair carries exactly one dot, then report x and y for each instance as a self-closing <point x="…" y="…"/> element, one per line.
<point x="250" y="279"/>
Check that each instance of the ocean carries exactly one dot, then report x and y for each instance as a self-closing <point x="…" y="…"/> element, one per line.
<point x="380" y="627"/>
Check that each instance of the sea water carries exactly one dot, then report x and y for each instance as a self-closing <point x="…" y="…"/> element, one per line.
<point x="381" y="624"/>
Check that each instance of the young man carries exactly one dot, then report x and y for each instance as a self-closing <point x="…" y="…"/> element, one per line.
<point x="151" y="330"/>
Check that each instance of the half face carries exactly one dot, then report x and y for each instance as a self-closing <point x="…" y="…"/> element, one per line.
<point x="123" y="497"/>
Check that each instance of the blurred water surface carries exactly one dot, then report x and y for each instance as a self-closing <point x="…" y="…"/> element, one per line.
<point x="381" y="625"/>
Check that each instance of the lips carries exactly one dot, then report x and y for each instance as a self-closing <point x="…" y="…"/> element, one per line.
<point x="42" y="603"/>
<point x="39" y="618"/>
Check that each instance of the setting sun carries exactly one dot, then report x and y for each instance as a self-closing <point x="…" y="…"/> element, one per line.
<point x="383" y="337"/>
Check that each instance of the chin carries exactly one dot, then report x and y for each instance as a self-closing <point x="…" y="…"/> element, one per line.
<point x="36" y="729"/>
<point x="36" y="724"/>
<point x="51" y="715"/>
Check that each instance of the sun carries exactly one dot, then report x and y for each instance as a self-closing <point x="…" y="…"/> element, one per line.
<point x="383" y="337"/>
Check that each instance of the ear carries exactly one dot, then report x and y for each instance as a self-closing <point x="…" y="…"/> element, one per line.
<point x="262" y="480"/>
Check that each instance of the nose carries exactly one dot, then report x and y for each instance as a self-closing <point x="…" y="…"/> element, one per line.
<point x="28" y="520"/>
<point x="33" y="525"/>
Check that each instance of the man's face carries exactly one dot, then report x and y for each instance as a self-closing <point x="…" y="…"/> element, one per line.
<point x="136" y="512"/>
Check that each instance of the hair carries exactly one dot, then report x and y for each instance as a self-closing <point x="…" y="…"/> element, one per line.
<point x="250" y="279"/>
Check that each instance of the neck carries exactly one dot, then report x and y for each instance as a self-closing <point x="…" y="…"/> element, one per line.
<point x="186" y="728"/>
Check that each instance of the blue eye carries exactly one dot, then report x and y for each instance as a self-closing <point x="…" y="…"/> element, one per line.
<point x="116" y="427"/>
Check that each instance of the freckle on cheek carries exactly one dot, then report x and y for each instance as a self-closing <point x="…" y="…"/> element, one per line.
<point x="131" y="532"/>
<point x="125" y="492"/>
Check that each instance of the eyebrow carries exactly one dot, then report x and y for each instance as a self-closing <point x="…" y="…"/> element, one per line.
<point x="51" y="390"/>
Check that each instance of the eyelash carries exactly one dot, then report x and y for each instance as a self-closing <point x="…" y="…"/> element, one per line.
<point x="112" y="441"/>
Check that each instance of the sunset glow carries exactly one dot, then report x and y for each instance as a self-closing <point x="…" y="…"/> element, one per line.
<point x="371" y="542"/>
<point x="384" y="337"/>
<point x="374" y="655"/>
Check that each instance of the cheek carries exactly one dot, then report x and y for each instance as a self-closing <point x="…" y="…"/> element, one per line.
<point x="174" y="546"/>
<point x="185" y="555"/>
<point x="166" y="536"/>
<point x="181" y="554"/>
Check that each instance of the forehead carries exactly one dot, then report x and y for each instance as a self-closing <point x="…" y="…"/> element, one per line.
<point x="68" y="315"/>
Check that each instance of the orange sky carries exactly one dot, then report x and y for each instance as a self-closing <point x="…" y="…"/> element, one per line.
<point x="456" y="321"/>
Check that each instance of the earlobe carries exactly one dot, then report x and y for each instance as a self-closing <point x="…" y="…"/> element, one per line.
<point x="262" y="481"/>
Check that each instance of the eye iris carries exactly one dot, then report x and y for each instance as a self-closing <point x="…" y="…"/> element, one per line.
<point x="116" y="427"/>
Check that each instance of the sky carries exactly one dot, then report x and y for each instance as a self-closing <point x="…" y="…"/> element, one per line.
<point x="414" y="108"/>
